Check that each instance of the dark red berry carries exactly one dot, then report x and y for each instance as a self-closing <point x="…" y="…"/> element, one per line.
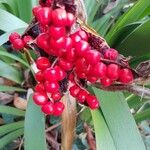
<point x="66" y="65"/>
<point x="83" y="35"/>
<point x="39" y="76"/>
<point x="70" y="55"/>
<point x="111" y="54"/>
<point x="40" y="98"/>
<point x="74" y="90"/>
<point x="27" y="39"/>
<point x="58" y="108"/>
<point x="56" y="96"/>
<point x="92" y="102"/>
<point x="75" y="38"/>
<point x="13" y="36"/>
<point x="61" y="74"/>
<point x="18" y="44"/>
<point x="40" y="88"/>
<point x="48" y="108"/>
<point x="70" y="19"/>
<point x="51" y="87"/>
<point x="106" y="81"/>
<point x="35" y="10"/>
<point x="50" y="74"/>
<point x="92" y="79"/>
<point x="82" y="96"/>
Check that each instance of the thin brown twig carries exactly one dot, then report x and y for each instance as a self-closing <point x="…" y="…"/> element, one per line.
<point x="21" y="143"/>
<point x="53" y="127"/>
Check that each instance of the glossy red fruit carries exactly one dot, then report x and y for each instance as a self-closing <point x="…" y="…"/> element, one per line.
<point x="58" y="108"/>
<point x="113" y="71"/>
<point x="92" y="57"/>
<point x="81" y="48"/>
<point x="51" y="87"/>
<point x="39" y="76"/>
<point x="43" y="15"/>
<point x="126" y="76"/>
<point x="42" y="63"/>
<point x="70" y="19"/>
<point x="70" y="55"/>
<point x="92" y="102"/>
<point x="82" y="96"/>
<point x="106" y="81"/>
<point x="35" y="10"/>
<point x="50" y="74"/>
<point x="57" y="32"/>
<point x="40" y="98"/>
<point x="68" y="44"/>
<point x="48" y="108"/>
<point x="61" y="74"/>
<point x="74" y="90"/>
<point x="43" y="42"/>
<point x="83" y="35"/>
<point x="56" y="96"/>
<point x="18" y="44"/>
<point x="59" y="17"/>
<point x="13" y="36"/>
<point x="40" y="88"/>
<point x="75" y="38"/>
<point x="99" y="70"/>
<point x="92" y="79"/>
<point x="81" y="75"/>
<point x="66" y="65"/>
<point x="111" y="54"/>
<point x="27" y="39"/>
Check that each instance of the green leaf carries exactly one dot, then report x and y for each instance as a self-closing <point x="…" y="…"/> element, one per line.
<point x="11" y="111"/>
<point x="4" y="37"/>
<point x="34" y="127"/>
<point x="104" y="139"/>
<point x="11" y="127"/>
<point x="3" y="53"/>
<point x="142" y="115"/>
<point x="120" y="121"/>
<point x="9" y="22"/>
<point x="10" y="72"/>
<point x="25" y="12"/>
<point x="4" y="88"/>
<point x="10" y="137"/>
<point x="131" y="16"/>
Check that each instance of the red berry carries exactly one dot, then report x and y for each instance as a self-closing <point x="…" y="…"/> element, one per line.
<point x="40" y="88"/>
<point x="92" y="102"/>
<point x="75" y="38"/>
<point x="82" y="96"/>
<point x="70" y="19"/>
<point x="99" y="70"/>
<point x="81" y="75"/>
<point x="40" y="98"/>
<point x="13" y="36"/>
<point x="92" y="79"/>
<point x="48" y="108"/>
<point x="92" y="57"/>
<point x="68" y="44"/>
<point x="125" y="76"/>
<point x="61" y="74"/>
<point x="51" y="87"/>
<point x="70" y="55"/>
<point x="59" y="17"/>
<point x="66" y="65"/>
<point x="58" y="108"/>
<point x="74" y="90"/>
<point x="50" y="74"/>
<point x="57" y="32"/>
<point x="113" y="71"/>
<point x="44" y="16"/>
<point x="35" y="10"/>
<point x="42" y="63"/>
<point x="18" y="44"/>
<point x="106" y="81"/>
<point x="39" y="76"/>
<point x="83" y="35"/>
<point x="82" y="47"/>
<point x="56" y="96"/>
<point x="111" y="54"/>
<point x="27" y="39"/>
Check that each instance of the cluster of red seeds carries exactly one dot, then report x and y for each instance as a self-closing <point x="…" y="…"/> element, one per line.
<point x="75" y="60"/>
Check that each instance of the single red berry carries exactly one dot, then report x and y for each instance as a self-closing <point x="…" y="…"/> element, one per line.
<point x="106" y="81"/>
<point x="58" y="108"/>
<point x="92" y="79"/>
<point x="13" y="36"/>
<point x="111" y="54"/>
<point x="66" y="65"/>
<point x="81" y="48"/>
<point x="92" y="102"/>
<point x="83" y="35"/>
<point x="40" y="88"/>
<point x="57" y="32"/>
<point x="42" y="63"/>
<point x="75" y="38"/>
<point x="27" y="39"/>
<point x="61" y="74"/>
<point x="70" y="55"/>
<point x="99" y="70"/>
<point x="48" y="108"/>
<point x="68" y="44"/>
<point x="74" y="90"/>
<point x="125" y="76"/>
<point x="59" y="17"/>
<point x="50" y="74"/>
<point x="44" y="16"/>
<point x="56" y="96"/>
<point x="82" y="96"/>
<point x="35" y="10"/>
<point x="113" y="71"/>
<point x="39" y="76"/>
<point x="92" y="57"/>
<point x="18" y="44"/>
<point x="70" y="19"/>
<point x="81" y="75"/>
<point x="51" y="87"/>
<point x="40" y="98"/>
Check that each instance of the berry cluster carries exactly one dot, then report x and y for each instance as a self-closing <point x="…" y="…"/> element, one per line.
<point x="75" y="60"/>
